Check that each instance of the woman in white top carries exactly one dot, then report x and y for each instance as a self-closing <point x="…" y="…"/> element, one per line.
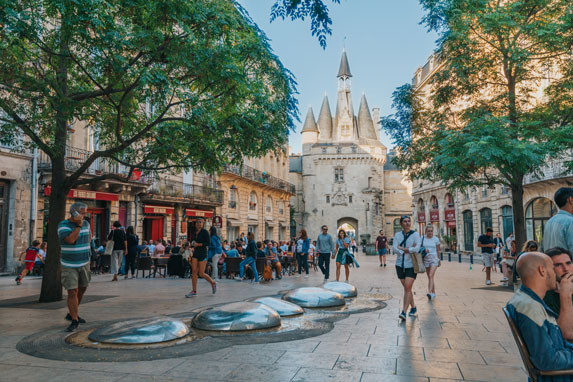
<point x="431" y="259"/>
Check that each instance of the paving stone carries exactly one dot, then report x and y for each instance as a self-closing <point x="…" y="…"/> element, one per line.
<point x="502" y="359"/>
<point x="344" y="348"/>
<point x="302" y="346"/>
<point x="426" y="342"/>
<point x="371" y="377"/>
<point x="375" y="365"/>
<point x="307" y="374"/>
<point x="492" y="346"/>
<point x="492" y="373"/>
<point x="456" y="355"/>
<point x="213" y="369"/>
<point x="392" y="351"/>
<point x="428" y="369"/>
<point x="325" y="360"/>
<point x="258" y="356"/>
<point x="250" y="372"/>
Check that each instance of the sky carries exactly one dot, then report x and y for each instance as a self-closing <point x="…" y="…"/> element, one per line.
<point x="383" y="39"/>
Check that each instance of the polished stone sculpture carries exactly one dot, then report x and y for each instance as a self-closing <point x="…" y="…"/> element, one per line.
<point x="237" y="316"/>
<point x="344" y="289"/>
<point x="314" y="297"/>
<point x="284" y="308"/>
<point x="143" y="331"/>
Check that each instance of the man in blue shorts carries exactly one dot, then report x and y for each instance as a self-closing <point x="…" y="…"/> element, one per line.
<point x="381" y="243"/>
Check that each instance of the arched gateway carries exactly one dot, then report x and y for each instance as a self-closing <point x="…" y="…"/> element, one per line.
<point x="348" y="224"/>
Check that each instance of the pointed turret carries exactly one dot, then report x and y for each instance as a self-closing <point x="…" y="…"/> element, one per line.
<point x="310" y="122"/>
<point x="309" y="131"/>
<point x="344" y="69"/>
<point x="366" y="128"/>
<point x="325" y="120"/>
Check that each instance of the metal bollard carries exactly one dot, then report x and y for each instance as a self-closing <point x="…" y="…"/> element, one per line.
<point x="459" y="257"/>
<point x="449" y="256"/>
<point x="472" y="258"/>
<point x="442" y="256"/>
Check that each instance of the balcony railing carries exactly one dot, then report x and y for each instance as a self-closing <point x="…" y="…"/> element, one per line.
<point x="260" y="177"/>
<point x="552" y="170"/>
<point x="75" y="158"/>
<point x="173" y="188"/>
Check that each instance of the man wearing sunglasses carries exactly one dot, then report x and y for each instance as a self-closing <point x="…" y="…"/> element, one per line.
<point x="324" y="247"/>
<point x="559" y="302"/>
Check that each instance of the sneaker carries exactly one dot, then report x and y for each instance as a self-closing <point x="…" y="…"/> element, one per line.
<point x="73" y="326"/>
<point x="80" y="320"/>
<point x="214" y="287"/>
<point x="238" y="278"/>
<point x="487" y="282"/>
<point x="413" y="312"/>
<point x="504" y="279"/>
<point x="381" y="265"/>
<point x="191" y="294"/>
<point x="433" y="295"/>
<point x="429" y="295"/>
<point x="18" y="280"/>
<point x="402" y="316"/>
<point x="384" y="264"/>
<point x="503" y="283"/>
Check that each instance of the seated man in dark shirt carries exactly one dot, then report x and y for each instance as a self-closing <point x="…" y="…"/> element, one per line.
<point x="558" y="302"/>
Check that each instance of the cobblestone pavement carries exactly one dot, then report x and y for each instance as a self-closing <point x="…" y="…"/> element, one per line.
<point x="461" y="335"/>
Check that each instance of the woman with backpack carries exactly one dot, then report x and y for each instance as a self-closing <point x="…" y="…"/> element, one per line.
<point x="405" y="243"/>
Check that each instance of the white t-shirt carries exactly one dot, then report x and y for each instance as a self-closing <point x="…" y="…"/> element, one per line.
<point x="431" y="245"/>
<point x="311" y="249"/>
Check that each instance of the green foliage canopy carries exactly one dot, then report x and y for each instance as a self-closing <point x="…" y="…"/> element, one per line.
<point x="481" y="117"/>
<point x="163" y="84"/>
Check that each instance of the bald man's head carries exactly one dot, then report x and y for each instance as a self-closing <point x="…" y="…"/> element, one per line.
<point x="535" y="268"/>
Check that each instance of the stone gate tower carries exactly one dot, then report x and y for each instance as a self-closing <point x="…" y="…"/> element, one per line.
<point x="340" y="175"/>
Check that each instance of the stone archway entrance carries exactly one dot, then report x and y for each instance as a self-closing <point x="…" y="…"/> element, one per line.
<point x="350" y="225"/>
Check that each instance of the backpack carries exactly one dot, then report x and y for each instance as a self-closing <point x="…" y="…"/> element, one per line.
<point x="267" y="273"/>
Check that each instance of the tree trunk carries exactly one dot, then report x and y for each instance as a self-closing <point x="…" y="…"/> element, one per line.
<point x="51" y="282"/>
<point x="518" y="212"/>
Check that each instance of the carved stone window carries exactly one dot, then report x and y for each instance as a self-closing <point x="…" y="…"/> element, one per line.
<point x="339" y="174"/>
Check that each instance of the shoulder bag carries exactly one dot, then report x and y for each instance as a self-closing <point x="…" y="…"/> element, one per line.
<point x="418" y="260"/>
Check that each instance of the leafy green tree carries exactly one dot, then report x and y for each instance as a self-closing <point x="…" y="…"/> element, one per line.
<point x="164" y="84"/>
<point x="500" y="103"/>
<point x="316" y="10"/>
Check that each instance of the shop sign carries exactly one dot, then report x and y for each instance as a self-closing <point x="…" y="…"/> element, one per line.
<point x="86" y="194"/>
<point x="217" y="222"/>
<point x="451" y="224"/>
<point x="434" y="215"/>
<point x="198" y="213"/>
<point x="163" y="210"/>
<point x="450" y="214"/>
<point x="421" y="217"/>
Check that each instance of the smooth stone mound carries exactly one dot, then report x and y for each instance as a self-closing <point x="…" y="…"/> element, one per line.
<point x="312" y="297"/>
<point x="237" y="316"/>
<point x="284" y="308"/>
<point x="344" y="289"/>
<point x="142" y="331"/>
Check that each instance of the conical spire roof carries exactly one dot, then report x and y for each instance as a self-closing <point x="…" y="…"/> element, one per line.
<point x="365" y="123"/>
<point x="310" y="122"/>
<point x="344" y="69"/>
<point x="325" y="119"/>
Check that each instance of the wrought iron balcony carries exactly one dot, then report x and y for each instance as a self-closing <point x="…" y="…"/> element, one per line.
<point x="76" y="157"/>
<point x="554" y="169"/>
<point x="260" y="177"/>
<point x="166" y="187"/>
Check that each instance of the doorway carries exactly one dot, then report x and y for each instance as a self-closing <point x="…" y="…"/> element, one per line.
<point x="153" y="228"/>
<point x="350" y="226"/>
<point x="97" y="224"/>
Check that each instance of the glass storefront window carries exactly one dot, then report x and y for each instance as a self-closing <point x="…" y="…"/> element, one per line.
<point x="537" y="213"/>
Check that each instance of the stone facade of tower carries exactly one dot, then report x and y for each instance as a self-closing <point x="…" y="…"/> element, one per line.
<point x="340" y="176"/>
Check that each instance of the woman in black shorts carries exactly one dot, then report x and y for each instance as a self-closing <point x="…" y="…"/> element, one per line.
<point x="199" y="259"/>
<point x="405" y="243"/>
